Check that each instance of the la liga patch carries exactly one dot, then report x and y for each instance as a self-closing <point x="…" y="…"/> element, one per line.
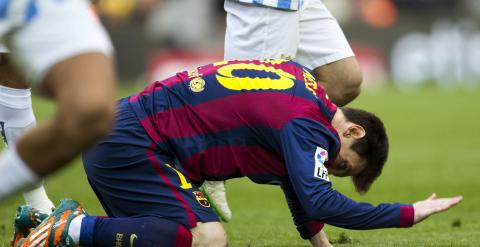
<point x="321" y="155"/>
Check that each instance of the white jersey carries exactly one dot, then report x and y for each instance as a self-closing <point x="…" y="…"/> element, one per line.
<point x="278" y="4"/>
<point x="41" y="33"/>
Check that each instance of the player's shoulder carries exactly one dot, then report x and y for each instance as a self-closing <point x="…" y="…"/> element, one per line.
<point x="314" y="133"/>
<point x="308" y="137"/>
<point x="306" y="123"/>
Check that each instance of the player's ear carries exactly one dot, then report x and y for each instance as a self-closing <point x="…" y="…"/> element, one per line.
<point x="355" y="131"/>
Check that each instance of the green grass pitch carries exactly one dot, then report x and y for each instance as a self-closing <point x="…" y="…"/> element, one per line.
<point x="435" y="147"/>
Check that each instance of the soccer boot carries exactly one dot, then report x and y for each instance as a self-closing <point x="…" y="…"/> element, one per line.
<point x="26" y="219"/>
<point x="53" y="231"/>
<point x="215" y="193"/>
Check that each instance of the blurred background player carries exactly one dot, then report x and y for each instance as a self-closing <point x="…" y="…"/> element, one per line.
<point x="62" y="50"/>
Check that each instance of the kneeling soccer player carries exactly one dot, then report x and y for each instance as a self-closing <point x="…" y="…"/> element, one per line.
<point x="264" y="119"/>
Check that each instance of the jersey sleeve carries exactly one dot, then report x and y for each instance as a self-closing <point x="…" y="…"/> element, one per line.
<point x="304" y="145"/>
<point x="306" y="226"/>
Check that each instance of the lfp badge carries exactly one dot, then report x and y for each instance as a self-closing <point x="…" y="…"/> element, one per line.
<point x="321" y="155"/>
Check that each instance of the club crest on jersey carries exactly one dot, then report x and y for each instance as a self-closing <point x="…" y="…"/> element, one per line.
<point x="197" y="85"/>
<point x="201" y="199"/>
<point x="321" y="155"/>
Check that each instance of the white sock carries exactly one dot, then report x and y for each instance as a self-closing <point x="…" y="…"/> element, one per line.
<point x="16" y="116"/>
<point x="74" y="229"/>
<point x="38" y="199"/>
<point x="14" y="173"/>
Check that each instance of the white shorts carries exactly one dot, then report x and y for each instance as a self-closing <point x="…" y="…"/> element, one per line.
<point x="41" y="33"/>
<point x="311" y="35"/>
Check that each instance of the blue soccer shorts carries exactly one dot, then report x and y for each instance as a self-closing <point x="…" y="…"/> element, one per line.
<point x="131" y="178"/>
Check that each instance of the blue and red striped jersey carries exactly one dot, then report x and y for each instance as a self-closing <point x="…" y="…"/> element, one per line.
<point x="268" y="120"/>
<point x="226" y="119"/>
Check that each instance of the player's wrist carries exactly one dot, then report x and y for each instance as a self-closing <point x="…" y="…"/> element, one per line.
<point x="310" y="229"/>
<point x="407" y="215"/>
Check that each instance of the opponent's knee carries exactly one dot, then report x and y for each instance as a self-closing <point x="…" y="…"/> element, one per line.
<point x="342" y="80"/>
<point x="88" y="121"/>
<point x="349" y="89"/>
<point x="209" y="234"/>
<point x="84" y="88"/>
<point x="96" y="118"/>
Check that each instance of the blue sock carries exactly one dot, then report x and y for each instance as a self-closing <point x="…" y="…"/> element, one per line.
<point x="126" y="232"/>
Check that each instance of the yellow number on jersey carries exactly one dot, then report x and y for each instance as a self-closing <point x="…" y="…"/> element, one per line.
<point x="226" y="78"/>
<point x="184" y="184"/>
<point x="132" y="238"/>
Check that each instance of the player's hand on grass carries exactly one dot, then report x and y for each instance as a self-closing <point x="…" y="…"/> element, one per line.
<point x="433" y="205"/>
<point x="320" y="240"/>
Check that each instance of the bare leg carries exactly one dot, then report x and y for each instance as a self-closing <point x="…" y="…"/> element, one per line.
<point x="16" y="117"/>
<point x="84" y="89"/>
<point x="341" y="79"/>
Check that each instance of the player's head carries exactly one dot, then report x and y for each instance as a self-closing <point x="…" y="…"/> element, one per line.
<point x="364" y="148"/>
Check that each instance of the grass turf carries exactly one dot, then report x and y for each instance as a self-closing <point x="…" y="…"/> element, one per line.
<point x="434" y="138"/>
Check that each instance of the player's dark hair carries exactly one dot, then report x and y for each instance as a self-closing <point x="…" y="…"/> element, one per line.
<point x="373" y="147"/>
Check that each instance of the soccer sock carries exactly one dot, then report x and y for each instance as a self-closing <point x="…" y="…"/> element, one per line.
<point x="14" y="105"/>
<point x="16" y="116"/>
<point x="38" y="199"/>
<point x="15" y="173"/>
<point x="75" y="228"/>
<point x="142" y="231"/>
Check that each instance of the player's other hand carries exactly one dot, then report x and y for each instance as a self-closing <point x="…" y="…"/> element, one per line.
<point x="433" y="205"/>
